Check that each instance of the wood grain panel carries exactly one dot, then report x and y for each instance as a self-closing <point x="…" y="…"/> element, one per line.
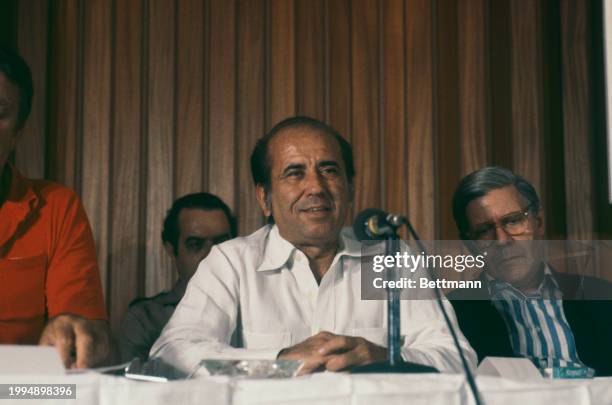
<point x="473" y="74"/>
<point x="310" y="58"/>
<point x="96" y="103"/>
<point x="250" y="114"/>
<point x="31" y="38"/>
<point x="420" y="180"/>
<point x="189" y="166"/>
<point x="222" y="102"/>
<point x="553" y="196"/>
<point x="472" y="89"/>
<point x="282" y="64"/>
<point x="150" y="99"/>
<point x="527" y="125"/>
<point x="339" y="66"/>
<point x="159" y="273"/>
<point x="394" y="107"/>
<point x="338" y="71"/>
<point x="63" y="113"/>
<point x="602" y="211"/>
<point x="577" y="127"/>
<point x="500" y="82"/>
<point x="8" y="23"/>
<point x="366" y="137"/>
<point x="446" y="118"/>
<point x="127" y="198"/>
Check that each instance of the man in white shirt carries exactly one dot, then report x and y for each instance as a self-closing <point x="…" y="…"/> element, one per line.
<point x="292" y="288"/>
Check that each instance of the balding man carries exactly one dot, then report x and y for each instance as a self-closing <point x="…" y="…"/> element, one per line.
<point x="292" y="288"/>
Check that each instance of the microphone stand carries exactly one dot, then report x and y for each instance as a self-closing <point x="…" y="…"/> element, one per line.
<point x="393" y="307"/>
<point x="371" y="224"/>
<point x="394" y="363"/>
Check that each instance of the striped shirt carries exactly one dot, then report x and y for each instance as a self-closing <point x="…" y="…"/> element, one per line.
<point x="536" y="323"/>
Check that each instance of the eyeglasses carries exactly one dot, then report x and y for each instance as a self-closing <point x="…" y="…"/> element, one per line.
<point x="514" y="224"/>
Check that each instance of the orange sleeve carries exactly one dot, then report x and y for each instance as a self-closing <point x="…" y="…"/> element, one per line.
<point x="73" y="279"/>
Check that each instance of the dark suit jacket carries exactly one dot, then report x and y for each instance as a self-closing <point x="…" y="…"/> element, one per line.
<point x="588" y="312"/>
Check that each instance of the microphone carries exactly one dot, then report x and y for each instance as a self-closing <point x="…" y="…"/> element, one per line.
<point x="375" y="224"/>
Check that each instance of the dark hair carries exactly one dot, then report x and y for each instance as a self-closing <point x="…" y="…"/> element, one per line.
<point x="203" y="201"/>
<point x="260" y="161"/>
<point x="479" y="183"/>
<point x="17" y="72"/>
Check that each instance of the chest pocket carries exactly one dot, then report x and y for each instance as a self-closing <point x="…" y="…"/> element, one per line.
<point x="253" y="340"/>
<point x="22" y="287"/>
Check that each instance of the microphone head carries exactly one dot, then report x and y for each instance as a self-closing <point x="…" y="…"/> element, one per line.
<point x="366" y="223"/>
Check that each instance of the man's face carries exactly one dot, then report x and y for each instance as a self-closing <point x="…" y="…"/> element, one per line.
<point x="9" y="112"/>
<point x="512" y="259"/>
<point x="199" y="230"/>
<point x="310" y="194"/>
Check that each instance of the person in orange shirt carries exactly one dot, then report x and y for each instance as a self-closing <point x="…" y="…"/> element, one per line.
<point x="50" y="290"/>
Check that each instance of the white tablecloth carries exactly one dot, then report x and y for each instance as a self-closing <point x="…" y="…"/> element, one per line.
<point x="326" y="388"/>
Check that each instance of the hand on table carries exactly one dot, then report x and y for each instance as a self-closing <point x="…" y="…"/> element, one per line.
<point x="82" y="343"/>
<point x="332" y="352"/>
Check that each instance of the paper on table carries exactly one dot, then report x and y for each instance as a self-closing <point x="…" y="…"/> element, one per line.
<point x="513" y="368"/>
<point x="22" y="359"/>
<point x="117" y="369"/>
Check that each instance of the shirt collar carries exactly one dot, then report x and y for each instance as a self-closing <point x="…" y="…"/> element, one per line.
<point x="16" y="211"/>
<point x="497" y="287"/>
<point x="278" y="251"/>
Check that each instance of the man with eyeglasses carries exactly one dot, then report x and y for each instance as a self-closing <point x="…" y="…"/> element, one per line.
<point x="194" y="223"/>
<point x="524" y="308"/>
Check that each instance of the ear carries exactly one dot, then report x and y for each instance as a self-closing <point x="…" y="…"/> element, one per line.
<point x="262" y="200"/>
<point x="351" y="190"/>
<point x="169" y="249"/>
<point x="540" y="225"/>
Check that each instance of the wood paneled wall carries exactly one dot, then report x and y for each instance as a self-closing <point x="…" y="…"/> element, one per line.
<point x="141" y="101"/>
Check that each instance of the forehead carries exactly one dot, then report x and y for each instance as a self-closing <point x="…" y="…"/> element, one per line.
<point x="202" y="223"/>
<point x="291" y="145"/>
<point x="495" y="204"/>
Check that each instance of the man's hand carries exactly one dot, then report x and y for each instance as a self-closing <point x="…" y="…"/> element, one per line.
<point x="343" y="352"/>
<point x="308" y="352"/>
<point x="333" y="352"/>
<point x="82" y="343"/>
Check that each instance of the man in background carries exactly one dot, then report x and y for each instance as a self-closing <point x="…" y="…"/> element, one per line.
<point x="525" y="307"/>
<point x="194" y="224"/>
<point x="50" y="290"/>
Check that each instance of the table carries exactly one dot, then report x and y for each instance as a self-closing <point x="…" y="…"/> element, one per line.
<point x="324" y="388"/>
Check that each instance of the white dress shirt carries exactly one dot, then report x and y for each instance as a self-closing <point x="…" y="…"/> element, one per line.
<point x="262" y="286"/>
